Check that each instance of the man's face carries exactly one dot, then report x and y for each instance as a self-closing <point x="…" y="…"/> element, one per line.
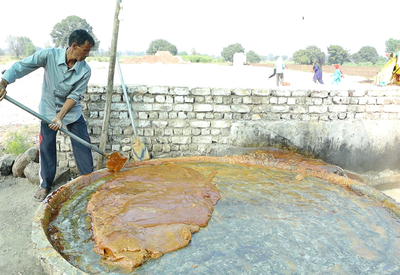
<point x="81" y="52"/>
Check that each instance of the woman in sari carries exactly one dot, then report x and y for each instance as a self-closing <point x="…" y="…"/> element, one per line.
<point x="317" y="73"/>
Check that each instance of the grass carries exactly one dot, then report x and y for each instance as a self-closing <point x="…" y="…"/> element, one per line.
<point x="16" y="142"/>
<point x="17" y="139"/>
<point x="4" y="59"/>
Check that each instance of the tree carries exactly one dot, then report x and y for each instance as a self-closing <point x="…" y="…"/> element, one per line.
<point x="161" y="45"/>
<point x="194" y="52"/>
<point x="392" y="45"/>
<point x="61" y="31"/>
<point x="17" y="44"/>
<point x="337" y="55"/>
<point x="182" y="53"/>
<point x="252" y="57"/>
<point x="309" y="55"/>
<point x="30" y="49"/>
<point x="301" y="57"/>
<point x="1" y="52"/>
<point x="313" y="52"/>
<point x="366" y="54"/>
<point x="228" y="52"/>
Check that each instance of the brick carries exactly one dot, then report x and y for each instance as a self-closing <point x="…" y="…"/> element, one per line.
<point x="179" y="91"/>
<point x="300" y="93"/>
<point x="291" y="101"/>
<point x="200" y="124"/>
<point x="200" y="91"/>
<point x="162" y="107"/>
<point x="280" y="109"/>
<point x="237" y="100"/>
<point x="202" y="139"/>
<point x="298" y="110"/>
<point x="391" y="108"/>
<point x="241" y="92"/>
<point x="240" y="108"/>
<point x="203" y="107"/>
<point x="281" y="93"/>
<point x="317" y="109"/>
<point x="178" y="123"/>
<point x="335" y="108"/>
<point x="222" y="108"/>
<point x="181" y="140"/>
<point x="148" y="99"/>
<point x="221" y="124"/>
<point x="373" y="108"/>
<point x="221" y="91"/>
<point x="160" y="98"/>
<point x="141" y="107"/>
<point x="282" y="100"/>
<point x="318" y="101"/>
<point x="357" y="93"/>
<point x="339" y="93"/>
<point x="182" y="115"/>
<point x="261" y="92"/>
<point x="160" y="123"/>
<point x="320" y="94"/>
<point x="183" y="107"/>
<point x="158" y="90"/>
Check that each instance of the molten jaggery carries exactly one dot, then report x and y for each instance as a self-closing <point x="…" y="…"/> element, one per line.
<point x="146" y="212"/>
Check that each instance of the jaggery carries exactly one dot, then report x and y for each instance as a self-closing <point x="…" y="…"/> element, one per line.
<point x="145" y="212"/>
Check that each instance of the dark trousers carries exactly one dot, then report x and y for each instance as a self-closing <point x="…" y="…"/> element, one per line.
<point x="279" y="78"/>
<point x="272" y="74"/>
<point x="48" y="152"/>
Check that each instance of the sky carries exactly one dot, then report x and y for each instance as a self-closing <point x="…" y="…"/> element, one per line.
<point x="208" y="26"/>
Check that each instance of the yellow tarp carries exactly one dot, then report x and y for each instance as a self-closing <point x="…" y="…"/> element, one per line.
<point x="384" y="75"/>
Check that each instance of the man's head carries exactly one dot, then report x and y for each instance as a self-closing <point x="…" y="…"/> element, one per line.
<point x="80" y="37"/>
<point x="80" y="44"/>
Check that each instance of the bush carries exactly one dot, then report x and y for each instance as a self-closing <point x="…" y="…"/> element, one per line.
<point x="198" y="58"/>
<point x="219" y="60"/>
<point x="16" y="142"/>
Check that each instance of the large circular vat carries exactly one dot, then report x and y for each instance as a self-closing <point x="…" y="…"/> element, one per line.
<point x="279" y="213"/>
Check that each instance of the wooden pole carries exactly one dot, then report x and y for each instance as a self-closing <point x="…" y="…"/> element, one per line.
<point x="110" y="84"/>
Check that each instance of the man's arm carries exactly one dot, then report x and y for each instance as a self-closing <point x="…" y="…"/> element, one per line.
<point x="68" y="105"/>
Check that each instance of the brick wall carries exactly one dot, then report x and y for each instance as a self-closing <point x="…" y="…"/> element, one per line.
<point x="182" y="121"/>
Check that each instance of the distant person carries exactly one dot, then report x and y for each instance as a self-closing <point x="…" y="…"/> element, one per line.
<point x="66" y="76"/>
<point x="317" y="68"/>
<point x="337" y="75"/>
<point x="278" y="71"/>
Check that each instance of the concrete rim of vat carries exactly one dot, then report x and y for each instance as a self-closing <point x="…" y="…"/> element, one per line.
<point x="53" y="263"/>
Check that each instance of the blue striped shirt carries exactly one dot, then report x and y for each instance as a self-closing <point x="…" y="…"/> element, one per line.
<point x="59" y="82"/>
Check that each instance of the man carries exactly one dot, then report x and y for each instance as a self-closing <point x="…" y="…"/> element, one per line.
<point x="66" y="76"/>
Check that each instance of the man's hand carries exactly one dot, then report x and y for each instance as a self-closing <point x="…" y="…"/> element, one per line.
<point x="3" y="86"/>
<point x="56" y="125"/>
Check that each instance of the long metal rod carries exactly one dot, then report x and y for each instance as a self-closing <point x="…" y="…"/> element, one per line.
<point x="126" y="98"/>
<point x="48" y="121"/>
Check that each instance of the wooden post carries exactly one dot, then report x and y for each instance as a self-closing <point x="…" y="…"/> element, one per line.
<point x="110" y="84"/>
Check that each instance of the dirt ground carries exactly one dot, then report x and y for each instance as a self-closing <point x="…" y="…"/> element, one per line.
<point x="17" y="206"/>
<point x="17" y="209"/>
<point x="367" y="72"/>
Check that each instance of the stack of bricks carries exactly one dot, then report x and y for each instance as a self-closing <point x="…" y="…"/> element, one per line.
<point x="182" y="121"/>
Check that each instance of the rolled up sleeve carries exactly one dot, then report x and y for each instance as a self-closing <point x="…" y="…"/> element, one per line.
<point x="81" y="86"/>
<point x="21" y="68"/>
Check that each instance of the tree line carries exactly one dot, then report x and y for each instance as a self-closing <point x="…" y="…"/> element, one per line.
<point x="23" y="46"/>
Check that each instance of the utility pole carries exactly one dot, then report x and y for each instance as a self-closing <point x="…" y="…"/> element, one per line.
<point x="110" y="85"/>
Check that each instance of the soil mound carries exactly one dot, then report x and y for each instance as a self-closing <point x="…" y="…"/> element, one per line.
<point x="163" y="57"/>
